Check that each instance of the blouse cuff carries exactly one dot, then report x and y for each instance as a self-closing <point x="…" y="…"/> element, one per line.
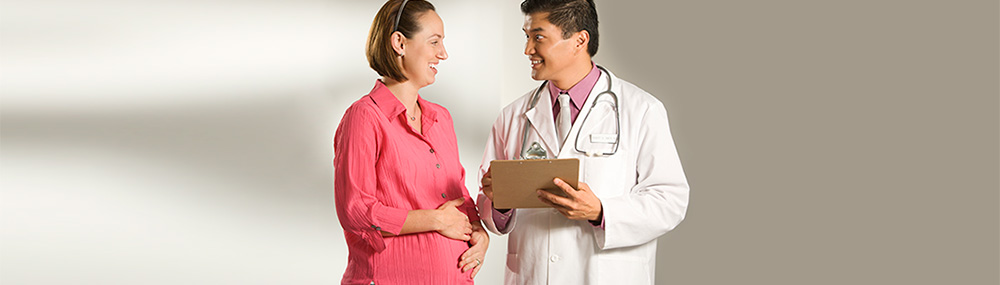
<point x="472" y="212"/>
<point x="387" y="219"/>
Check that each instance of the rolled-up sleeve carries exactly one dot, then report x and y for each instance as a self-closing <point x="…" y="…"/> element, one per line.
<point x="360" y="212"/>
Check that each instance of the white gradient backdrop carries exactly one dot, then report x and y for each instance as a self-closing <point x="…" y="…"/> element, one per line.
<point x="180" y="142"/>
<point x="189" y="142"/>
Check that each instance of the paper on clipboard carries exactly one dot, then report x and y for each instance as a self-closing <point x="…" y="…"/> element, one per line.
<point x="515" y="181"/>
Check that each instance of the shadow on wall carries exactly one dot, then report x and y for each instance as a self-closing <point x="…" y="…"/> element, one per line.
<point x="220" y="183"/>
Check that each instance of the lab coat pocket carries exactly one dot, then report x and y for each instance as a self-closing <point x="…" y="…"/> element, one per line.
<point x="512" y="263"/>
<point x="603" y="175"/>
<point x="622" y="270"/>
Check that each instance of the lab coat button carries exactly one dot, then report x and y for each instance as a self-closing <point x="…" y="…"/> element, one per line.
<point x="554" y="258"/>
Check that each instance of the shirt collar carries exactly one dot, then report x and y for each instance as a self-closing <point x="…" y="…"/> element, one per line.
<point x="578" y="93"/>
<point x="391" y="107"/>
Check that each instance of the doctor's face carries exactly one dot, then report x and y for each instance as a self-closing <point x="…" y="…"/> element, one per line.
<point x="424" y="50"/>
<point x="548" y="52"/>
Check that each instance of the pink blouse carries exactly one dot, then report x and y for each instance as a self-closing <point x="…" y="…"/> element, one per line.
<point x="383" y="169"/>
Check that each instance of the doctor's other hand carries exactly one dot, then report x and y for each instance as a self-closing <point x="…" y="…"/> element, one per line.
<point x="488" y="184"/>
<point x="474" y="257"/>
<point x="452" y="222"/>
<point x="579" y="204"/>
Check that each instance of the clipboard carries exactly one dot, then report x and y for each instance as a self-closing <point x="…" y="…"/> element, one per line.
<point x="515" y="181"/>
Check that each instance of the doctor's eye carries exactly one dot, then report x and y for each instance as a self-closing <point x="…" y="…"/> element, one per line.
<point x="539" y="37"/>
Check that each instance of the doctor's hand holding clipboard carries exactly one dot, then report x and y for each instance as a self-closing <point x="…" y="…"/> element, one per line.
<point x="575" y="204"/>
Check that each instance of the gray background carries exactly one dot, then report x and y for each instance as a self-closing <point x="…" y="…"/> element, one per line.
<point x="168" y="142"/>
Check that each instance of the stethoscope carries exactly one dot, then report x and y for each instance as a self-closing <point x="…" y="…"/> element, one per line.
<point x="536" y="151"/>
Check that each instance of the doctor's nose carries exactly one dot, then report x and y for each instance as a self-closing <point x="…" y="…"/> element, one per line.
<point x="529" y="48"/>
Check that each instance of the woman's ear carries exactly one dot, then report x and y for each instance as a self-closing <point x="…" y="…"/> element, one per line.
<point x="398" y="41"/>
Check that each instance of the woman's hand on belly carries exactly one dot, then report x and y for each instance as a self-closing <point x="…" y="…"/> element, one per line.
<point x="451" y="222"/>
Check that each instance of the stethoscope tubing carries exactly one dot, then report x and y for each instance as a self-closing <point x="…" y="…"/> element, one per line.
<point x="534" y="101"/>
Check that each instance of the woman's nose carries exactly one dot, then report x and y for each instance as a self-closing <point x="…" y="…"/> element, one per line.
<point x="443" y="54"/>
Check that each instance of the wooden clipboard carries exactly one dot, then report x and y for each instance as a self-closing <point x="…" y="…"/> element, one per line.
<point x="515" y="181"/>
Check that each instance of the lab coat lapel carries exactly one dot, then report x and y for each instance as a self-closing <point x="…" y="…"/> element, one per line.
<point x="542" y="122"/>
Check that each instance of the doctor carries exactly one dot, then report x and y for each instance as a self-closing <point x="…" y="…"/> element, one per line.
<point x="632" y="188"/>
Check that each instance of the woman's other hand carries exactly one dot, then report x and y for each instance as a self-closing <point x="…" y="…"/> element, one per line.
<point x="474" y="257"/>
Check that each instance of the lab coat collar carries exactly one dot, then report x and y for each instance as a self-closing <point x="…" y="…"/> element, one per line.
<point x="540" y="117"/>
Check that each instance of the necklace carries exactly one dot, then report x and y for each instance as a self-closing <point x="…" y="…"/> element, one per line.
<point x="415" y="113"/>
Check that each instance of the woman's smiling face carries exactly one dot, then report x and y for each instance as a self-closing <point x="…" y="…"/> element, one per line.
<point x="424" y="50"/>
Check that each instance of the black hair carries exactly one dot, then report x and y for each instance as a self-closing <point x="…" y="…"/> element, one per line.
<point x="569" y="15"/>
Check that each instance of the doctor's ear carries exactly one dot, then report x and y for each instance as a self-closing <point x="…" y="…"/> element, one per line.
<point x="398" y="40"/>
<point x="582" y="39"/>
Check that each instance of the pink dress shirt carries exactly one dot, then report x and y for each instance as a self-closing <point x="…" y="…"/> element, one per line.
<point x="383" y="168"/>
<point x="577" y="96"/>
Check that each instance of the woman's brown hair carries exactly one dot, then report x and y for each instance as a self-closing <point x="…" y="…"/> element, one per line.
<point x="378" y="49"/>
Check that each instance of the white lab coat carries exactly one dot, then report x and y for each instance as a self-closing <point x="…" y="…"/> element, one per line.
<point x="642" y="188"/>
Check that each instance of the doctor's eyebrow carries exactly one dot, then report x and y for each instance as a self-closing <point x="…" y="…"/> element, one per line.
<point x="535" y="30"/>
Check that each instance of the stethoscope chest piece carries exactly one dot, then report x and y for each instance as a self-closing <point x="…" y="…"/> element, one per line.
<point x="535" y="152"/>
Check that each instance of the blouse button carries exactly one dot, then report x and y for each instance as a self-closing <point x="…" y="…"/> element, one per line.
<point x="437" y="165"/>
<point x="443" y="195"/>
<point x="432" y="150"/>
